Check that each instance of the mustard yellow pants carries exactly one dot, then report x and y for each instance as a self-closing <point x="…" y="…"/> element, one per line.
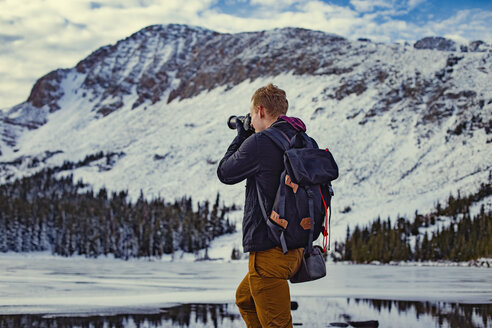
<point x="263" y="296"/>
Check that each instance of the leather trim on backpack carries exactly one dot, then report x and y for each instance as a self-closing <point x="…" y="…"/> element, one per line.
<point x="306" y="223"/>
<point x="288" y="182"/>
<point x="276" y="218"/>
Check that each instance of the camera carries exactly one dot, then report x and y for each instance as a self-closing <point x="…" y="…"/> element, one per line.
<point x="245" y="120"/>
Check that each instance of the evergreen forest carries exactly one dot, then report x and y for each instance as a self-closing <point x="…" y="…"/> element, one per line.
<point x="45" y="212"/>
<point x="425" y="238"/>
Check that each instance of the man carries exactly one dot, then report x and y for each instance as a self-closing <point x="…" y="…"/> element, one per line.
<point x="263" y="296"/>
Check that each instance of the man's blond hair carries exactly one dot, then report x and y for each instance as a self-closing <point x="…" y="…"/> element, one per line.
<point x="272" y="99"/>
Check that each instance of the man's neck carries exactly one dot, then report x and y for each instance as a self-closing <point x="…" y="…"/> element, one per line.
<point x="271" y="121"/>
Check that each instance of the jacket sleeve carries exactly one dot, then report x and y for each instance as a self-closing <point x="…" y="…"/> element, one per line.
<point x="240" y="161"/>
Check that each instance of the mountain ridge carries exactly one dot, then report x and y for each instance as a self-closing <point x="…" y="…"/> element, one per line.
<point x="402" y="122"/>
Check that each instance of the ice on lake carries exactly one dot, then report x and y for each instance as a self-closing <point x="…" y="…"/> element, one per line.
<point x="47" y="291"/>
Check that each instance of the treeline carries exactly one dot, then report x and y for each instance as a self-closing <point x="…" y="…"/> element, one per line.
<point x="43" y="212"/>
<point x="464" y="238"/>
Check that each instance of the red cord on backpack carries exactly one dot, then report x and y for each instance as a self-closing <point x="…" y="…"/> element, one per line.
<point x="325" y="233"/>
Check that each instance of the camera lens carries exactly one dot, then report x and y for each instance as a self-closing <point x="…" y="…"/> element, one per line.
<point x="231" y="122"/>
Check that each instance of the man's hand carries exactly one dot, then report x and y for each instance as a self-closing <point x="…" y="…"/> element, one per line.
<point x="241" y="132"/>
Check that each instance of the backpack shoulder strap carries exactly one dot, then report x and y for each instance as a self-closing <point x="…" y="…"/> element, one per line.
<point x="282" y="140"/>
<point x="265" y="216"/>
<point x="278" y="137"/>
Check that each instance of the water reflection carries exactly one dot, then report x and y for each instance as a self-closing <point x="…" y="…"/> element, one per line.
<point x="186" y="315"/>
<point x="452" y="315"/>
<point x="311" y="312"/>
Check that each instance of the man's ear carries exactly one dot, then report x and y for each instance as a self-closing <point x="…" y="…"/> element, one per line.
<point x="261" y="111"/>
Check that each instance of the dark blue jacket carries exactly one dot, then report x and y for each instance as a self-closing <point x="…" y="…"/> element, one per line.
<point x="258" y="160"/>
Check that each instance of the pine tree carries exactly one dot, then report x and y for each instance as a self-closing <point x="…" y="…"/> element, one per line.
<point x="43" y="212"/>
<point x="3" y="230"/>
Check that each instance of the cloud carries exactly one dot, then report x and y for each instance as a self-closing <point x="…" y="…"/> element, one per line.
<point x="277" y="4"/>
<point x="273" y="3"/>
<point x="40" y="36"/>
<point x="466" y="24"/>
<point x="386" y="8"/>
<point x="10" y="38"/>
<point x="363" y="6"/>
<point x="414" y="3"/>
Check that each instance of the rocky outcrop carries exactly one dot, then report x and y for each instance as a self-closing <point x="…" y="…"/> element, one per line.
<point x="47" y="90"/>
<point x="435" y="43"/>
<point x="479" y="46"/>
<point x="167" y="62"/>
<point x="231" y="58"/>
<point x="443" y="44"/>
<point x="146" y="63"/>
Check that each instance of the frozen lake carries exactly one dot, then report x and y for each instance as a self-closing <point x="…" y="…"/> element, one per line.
<point x="46" y="291"/>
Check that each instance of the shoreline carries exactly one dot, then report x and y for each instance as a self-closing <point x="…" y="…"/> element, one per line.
<point x="480" y="263"/>
<point x="182" y="257"/>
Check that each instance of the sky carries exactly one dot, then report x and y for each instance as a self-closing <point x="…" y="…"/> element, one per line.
<point x="38" y="36"/>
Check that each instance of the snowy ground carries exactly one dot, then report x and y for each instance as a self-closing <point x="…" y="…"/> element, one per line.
<point x="45" y="284"/>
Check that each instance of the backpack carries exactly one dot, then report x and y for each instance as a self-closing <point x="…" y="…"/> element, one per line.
<point x="300" y="209"/>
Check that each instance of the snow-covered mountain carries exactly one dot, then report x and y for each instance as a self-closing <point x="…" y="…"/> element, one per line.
<point x="407" y="124"/>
